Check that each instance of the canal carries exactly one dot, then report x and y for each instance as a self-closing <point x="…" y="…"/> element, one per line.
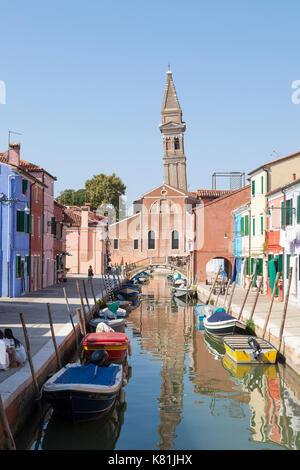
<point x="183" y="394"/>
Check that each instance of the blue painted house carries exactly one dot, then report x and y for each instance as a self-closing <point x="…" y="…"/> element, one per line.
<point x="15" y="219"/>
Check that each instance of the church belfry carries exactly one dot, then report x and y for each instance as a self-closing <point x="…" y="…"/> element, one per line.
<point x="172" y="129"/>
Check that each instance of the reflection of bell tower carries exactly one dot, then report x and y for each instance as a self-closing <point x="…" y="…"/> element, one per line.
<point x="172" y="129"/>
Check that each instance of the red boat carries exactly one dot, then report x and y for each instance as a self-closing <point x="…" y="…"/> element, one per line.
<point x="116" y="344"/>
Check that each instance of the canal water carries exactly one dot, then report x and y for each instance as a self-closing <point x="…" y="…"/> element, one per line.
<point x="182" y="393"/>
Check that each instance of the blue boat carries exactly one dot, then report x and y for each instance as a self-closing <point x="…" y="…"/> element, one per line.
<point x="81" y="393"/>
<point x="220" y="323"/>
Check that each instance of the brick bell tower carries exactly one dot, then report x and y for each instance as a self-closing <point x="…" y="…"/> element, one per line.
<point x="172" y="129"/>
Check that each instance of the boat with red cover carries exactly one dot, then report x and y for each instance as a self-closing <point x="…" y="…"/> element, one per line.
<point x="116" y="344"/>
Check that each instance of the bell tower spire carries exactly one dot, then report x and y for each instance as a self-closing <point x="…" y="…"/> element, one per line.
<point x="172" y="129"/>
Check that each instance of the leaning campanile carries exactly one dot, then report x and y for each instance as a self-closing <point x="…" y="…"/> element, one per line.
<point x="172" y="129"/>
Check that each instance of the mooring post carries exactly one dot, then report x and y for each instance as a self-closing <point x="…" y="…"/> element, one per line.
<point x="53" y="337"/>
<point x="6" y="429"/>
<point x="86" y="297"/>
<point x="285" y="307"/>
<point x="271" y="304"/>
<point x="90" y="280"/>
<point x="246" y="296"/>
<point x="256" y="298"/>
<point x="231" y="296"/>
<point x="214" y="283"/>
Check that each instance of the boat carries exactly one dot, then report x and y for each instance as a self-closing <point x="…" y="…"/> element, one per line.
<point x="203" y="311"/>
<point x="83" y="392"/>
<point x="245" y="349"/>
<point x="183" y="291"/>
<point x="113" y="311"/>
<point x="117" y="324"/>
<point x="129" y="292"/>
<point x="125" y="304"/>
<point x="220" y="323"/>
<point x="246" y="371"/>
<point x="115" y="344"/>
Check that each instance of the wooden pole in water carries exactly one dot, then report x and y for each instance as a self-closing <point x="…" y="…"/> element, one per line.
<point x="226" y="292"/>
<point x="6" y="429"/>
<point x="53" y="337"/>
<point x="71" y="318"/>
<point x="86" y="297"/>
<point x="246" y="296"/>
<point x="81" y="300"/>
<point x="81" y="322"/>
<point x="271" y="304"/>
<point x="214" y="283"/>
<point x="285" y="307"/>
<point x="35" y="382"/>
<point x="256" y="298"/>
<point x="231" y="296"/>
<point x="90" y="280"/>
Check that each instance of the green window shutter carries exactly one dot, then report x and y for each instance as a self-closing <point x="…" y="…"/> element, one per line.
<point x="28" y="223"/>
<point x="298" y="209"/>
<point x="262" y="185"/>
<point x="288" y="257"/>
<point x="260" y="266"/>
<point x="28" y="265"/>
<point x="252" y="265"/>
<point x="253" y="226"/>
<point x="262" y="225"/>
<point x="20" y="221"/>
<point x="242" y="226"/>
<point x="24" y="186"/>
<point x="253" y="187"/>
<point x="289" y="212"/>
<point x="282" y="213"/>
<point x="18" y="266"/>
<point x="246" y="225"/>
<point x="280" y="265"/>
<point x="247" y="266"/>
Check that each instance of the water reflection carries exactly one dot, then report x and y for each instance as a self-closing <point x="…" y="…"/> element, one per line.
<point x="185" y="394"/>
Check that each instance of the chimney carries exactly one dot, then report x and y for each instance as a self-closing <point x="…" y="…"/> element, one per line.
<point x="14" y="153"/>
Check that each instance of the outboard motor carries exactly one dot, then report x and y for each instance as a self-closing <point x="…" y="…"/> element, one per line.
<point x="255" y="346"/>
<point x="99" y="357"/>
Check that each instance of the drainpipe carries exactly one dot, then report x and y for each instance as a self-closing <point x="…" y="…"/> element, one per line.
<point x="8" y="235"/>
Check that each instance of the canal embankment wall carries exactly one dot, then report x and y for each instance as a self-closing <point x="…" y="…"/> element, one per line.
<point x="290" y="344"/>
<point x="17" y="388"/>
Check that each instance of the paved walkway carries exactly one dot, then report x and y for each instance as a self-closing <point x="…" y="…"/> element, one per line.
<point x="291" y="333"/>
<point x="33" y="306"/>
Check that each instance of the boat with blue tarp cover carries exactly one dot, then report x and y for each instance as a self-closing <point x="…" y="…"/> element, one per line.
<point x="203" y="311"/>
<point x="220" y="323"/>
<point x="80" y="393"/>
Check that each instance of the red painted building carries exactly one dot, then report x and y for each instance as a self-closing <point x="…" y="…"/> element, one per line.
<point x="36" y="237"/>
<point x="214" y="227"/>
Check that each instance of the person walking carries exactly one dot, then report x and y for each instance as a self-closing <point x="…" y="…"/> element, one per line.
<point x="90" y="271"/>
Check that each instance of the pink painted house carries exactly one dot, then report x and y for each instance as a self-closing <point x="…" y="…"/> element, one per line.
<point x="85" y="238"/>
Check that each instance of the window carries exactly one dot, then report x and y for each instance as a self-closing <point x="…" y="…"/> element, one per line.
<point x="253" y="187"/>
<point x="116" y="244"/>
<point x="151" y="240"/>
<point x="288" y="259"/>
<point x="246" y="224"/>
<point x="36" y="194"/>
<point x="175" y="240"/>
<point x="39" y="226"/>
<point x="24" y="187"/>
<point x="247" y="266"/>
<point x="28" y="265"/>
<point x="262" y="225"/>
<point x="28" y="223"/>
<point x="262" y="185"/>
<point x="282" y="213"/>
<point x="18" y="266"/>
<point x="176" y="143"/>
<point x="272" y="217"/>
<point x="242" y="226"/>
<point x="298" y="211"/>
<point x="253" y="226"/>
<point x="289" y="212"/>
<point x="135" y="244"/>
<point x="20" y="221"/>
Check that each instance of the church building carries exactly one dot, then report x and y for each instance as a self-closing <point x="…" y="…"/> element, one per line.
<point x="162" y="224"/>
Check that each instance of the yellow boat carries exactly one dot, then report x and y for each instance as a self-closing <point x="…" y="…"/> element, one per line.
<point x="240" y="371"/>
<point x="239" y="350"/>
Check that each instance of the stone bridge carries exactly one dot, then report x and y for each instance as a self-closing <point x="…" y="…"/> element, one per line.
<point x="154" y="262"/>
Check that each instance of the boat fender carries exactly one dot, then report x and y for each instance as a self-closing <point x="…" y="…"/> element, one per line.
<point x="255" y="346"/>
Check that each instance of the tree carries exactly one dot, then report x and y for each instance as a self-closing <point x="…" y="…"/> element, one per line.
<point x="103" y="189"/>
<point x="70" y="197"/>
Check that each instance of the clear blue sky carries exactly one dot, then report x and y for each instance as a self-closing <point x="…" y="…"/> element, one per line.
<point x="85" y="83"/>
